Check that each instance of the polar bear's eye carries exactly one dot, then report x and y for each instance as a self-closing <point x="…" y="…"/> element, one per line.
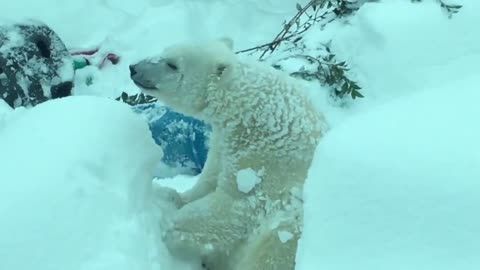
<point x="172" y="65"/>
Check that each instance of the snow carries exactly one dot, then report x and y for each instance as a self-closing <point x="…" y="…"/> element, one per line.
<point x="181" y="183"/>
<point x="76" y="189"/>
<point x="6" y="114"/>
<point x="284" y="236"/>
<point x="394" y="54"/>
<point x="398" y="187"/>
<point x="393" y="184"/>
<point x="13" y="39"/>
<point x="247" y="179"/>
<point x="4" y="108"/>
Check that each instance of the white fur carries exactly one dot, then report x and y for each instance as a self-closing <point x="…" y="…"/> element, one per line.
<point x="261" y="121"/>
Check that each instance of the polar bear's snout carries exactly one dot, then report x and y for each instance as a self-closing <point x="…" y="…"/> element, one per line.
<point x="157" y="73"/>
<point x="143" y="74"/>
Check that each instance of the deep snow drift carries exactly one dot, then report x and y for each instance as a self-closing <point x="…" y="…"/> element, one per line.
<point x="395" y="183"/>
<point x="398" y="187"/>
<point x="76" y="178"/>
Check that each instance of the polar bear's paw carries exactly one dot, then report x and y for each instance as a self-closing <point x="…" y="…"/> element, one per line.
<point x="167" y="195"/>
<point x="208" y="227"/>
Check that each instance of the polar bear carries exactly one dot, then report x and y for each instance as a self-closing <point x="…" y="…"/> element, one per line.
<point x="245" y="211"/>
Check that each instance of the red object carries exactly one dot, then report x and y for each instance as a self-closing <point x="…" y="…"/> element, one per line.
<point x="88" y="52"/>
<point x="111" y="57"/>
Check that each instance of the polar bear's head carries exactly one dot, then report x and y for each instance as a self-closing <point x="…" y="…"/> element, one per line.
<point x="180" y="76"/>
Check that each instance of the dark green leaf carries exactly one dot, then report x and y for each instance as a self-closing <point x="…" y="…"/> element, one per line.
<point x="124" y="96"/>
<point x="322" y="3"/>
<point x="356" y="94"/>
<point x="355" y="86"/>
<point x="299" y="7"/>
<point x="455" y="6"/>
<point x="345" y="88"/>
<point x="141" y="99"/>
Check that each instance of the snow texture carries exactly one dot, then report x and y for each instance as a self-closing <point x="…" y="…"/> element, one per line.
<point x="396" y="185"/>
<point x="76" y="190"/>
<point x="4" y="108"/>
<point x="247" y="179"/>
<point x="5" y="112"/>
<point x="13" y="39"/>
<point x="404" y="192"/>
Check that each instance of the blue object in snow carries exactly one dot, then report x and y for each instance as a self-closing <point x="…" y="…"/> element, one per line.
<point x="183" y="139"/>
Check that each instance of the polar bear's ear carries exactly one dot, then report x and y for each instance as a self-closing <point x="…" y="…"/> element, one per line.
<point x="227" y="41"/>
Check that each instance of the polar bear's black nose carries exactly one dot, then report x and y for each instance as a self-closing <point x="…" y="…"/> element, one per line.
<point x="132" y="70"/>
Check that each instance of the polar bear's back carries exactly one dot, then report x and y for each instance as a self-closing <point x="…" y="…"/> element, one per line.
<point x="271" y="127"/>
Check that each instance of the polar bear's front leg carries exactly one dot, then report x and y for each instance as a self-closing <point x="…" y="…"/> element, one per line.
<point x="208" y="178"/>
<point x="209" y="227"/>
<point x="270" y="250"/>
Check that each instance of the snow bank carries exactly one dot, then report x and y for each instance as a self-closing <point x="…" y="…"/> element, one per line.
<point x="396" y="47"/>
<point x="156" y="23"/>
<point x="5" y="111"/>
<point x="398" y="187"/>
<point x="394" y="184"/>
<point x="76" y="177"/>
<point x="4" y="108"/>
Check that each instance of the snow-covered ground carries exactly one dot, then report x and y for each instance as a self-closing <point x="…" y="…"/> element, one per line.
<point x="76" y="188"/>
<point x="398" y="187"/>
<point x="394" y="184"/>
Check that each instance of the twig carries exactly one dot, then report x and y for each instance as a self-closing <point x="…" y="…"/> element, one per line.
<point x="281" y="36"/>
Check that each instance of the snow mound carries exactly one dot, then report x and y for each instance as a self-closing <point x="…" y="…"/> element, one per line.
<point x="396" y="47"/>
<point x="5" y="111"/>
<point x="4" y="108"/>
<point x="76" y="179"/>
<point x="398" y="187"/>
